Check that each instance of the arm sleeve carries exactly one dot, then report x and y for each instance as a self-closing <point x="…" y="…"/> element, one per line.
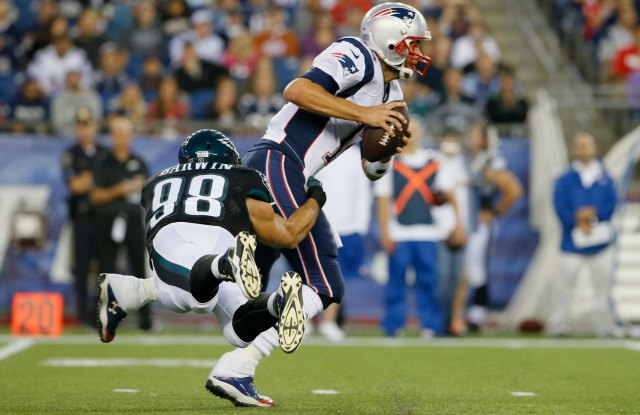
<point x="608" y="203"/>
<point x="257" y="187"/>
<point x="339" y="67"/>
<point x="67" y="166"/>
<point x="562" y="203"/>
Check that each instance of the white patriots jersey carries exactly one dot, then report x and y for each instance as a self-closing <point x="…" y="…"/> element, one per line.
<point x="348" y="69"/>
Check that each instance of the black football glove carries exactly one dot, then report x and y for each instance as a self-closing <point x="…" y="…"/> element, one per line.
<point x="314" y="191"/>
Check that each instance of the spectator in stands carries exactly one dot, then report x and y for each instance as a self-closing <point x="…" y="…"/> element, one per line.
<point x="420" y="99"/>
<point x="350" y="26"/>
<point x="130" y="103"/>
<point x="111" y="77"/>
<point x="78" y="164"/>
<point x="51" y="65"/>
<point x="45" y="31"/>
<point x="8" y="28"/>
<point x="481" y="82"/>
<point x="152" y="75"/>
<point x="209" y="46"/>
<point x="263" y="101"/>
<point x="451" y="253"/>
<point x="276" y="41"/>
<point x="320" y="36"/>
<point x="168" y="109"/>
<point x="619" y="36"/>
<point x="9" y="67"/>
<point x="175" y="17"/>
<point x="29" y="110"/>
<point x="627" y="60"/>
<point x="241" y="58"/>
<point x="508" y="105"/>
<point x="119" y="176"/>
<point x="597" y="15"/>
<point x="344" y="180"/>
<point x="257" y="16"/>
<point x="411" y="226"/>
<point x="89" y="37"/>
<point x="455" y="110"/>
<point x="439" y="50"/>
<point x="196" y="74"/>
<point x="223" y="107"/>
<point x="456" y="18"/>
<point x="144" y="37"/>
<point x="584" y="200"/>
<point x="467" y="48"/>
<point x="65" y="105"/>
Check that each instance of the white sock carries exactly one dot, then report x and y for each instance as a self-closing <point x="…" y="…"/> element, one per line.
<point x="238" y="363"/>
<point x="312" y="304"/>
<point x="215" y="267"/>
<point x="131" y="292"/>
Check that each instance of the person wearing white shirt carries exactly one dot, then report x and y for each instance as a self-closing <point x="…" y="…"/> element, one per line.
<point x="209" y="46"/>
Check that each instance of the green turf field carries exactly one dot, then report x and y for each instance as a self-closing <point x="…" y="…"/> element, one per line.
<point x="371" y="376"/>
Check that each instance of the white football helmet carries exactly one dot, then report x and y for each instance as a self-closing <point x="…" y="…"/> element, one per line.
<point x="393" y="31"/>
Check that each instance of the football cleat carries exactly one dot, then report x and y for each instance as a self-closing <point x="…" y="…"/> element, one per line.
<point x="108" y="313"/>
<point x="240" y="391"/>
<point x="291" y="323"/>
<point x="245" y="269"/>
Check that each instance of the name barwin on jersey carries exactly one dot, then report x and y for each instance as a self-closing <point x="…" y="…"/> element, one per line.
<point x="195" y="166"/>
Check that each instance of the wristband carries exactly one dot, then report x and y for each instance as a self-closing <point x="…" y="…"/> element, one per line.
<point x="377" y="169"/>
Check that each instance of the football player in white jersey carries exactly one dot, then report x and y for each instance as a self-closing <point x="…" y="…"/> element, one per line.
<point x="352" y="83"/>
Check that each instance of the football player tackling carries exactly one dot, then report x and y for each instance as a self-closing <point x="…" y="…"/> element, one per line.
<point x="352" y="83"/>
<point x="201" y="215"/>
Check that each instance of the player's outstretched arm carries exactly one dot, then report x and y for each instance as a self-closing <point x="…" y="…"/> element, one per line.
<point x="271" y="229"/>
<point x="312" y="97"/>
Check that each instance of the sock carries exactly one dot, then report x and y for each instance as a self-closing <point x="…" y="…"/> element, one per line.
<point x="312" y="304"/>
<point x="215" y="267"/>
<point x="271" y="304"/>
<point x="132" y="293"/>
<point x="238" y="363"/>
<point x="253" y="317"/>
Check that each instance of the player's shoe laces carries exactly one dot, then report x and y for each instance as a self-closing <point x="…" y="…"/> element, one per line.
<point x="240" y="391"/>
<point x="291" y="323"/>
<point x="245" y="270"/>
<point x="108" y="313"/>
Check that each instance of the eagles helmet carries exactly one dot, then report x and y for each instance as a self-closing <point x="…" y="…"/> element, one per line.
<point x="208" y="145"/>
<point x="393" y="31"/>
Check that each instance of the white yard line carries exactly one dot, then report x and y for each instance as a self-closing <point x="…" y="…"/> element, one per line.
<point x="15" y="347"/>
<point x="202" y="340"/>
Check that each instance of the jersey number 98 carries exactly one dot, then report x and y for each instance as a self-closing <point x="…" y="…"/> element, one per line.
<point x="205" y="194"/>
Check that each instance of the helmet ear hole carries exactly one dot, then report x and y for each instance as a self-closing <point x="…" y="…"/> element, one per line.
<point x="391" y="46"/>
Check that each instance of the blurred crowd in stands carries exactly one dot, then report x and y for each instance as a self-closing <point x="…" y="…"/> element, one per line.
<point x="166" y="63"/>
<point x="606" y="35"/>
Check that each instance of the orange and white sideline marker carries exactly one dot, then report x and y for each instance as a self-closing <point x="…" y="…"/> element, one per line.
<point x="37" y="314"/>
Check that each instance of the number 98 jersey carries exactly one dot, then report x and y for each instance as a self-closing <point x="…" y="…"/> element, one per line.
<point x="206" y="193"/>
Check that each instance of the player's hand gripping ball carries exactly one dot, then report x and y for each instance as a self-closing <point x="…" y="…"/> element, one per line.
<point x="376" y="143"/>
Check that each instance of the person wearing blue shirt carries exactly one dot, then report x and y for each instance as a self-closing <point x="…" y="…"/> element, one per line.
<point x="584" y="200"/>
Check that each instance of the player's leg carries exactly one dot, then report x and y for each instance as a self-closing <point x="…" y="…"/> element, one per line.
<point x="135" y="244"/>
<point x="425" y="263"/>
<point x="600" y="269"/>
<point x="476" y="269"/>
<point x="236" y="264"/>
<point x="82" y="248"/>
<point x="395" y="312"/>
<point x="562" y="295"/>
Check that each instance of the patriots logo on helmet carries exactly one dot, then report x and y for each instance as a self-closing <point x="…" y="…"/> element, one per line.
<point x="348" y="66"/>
<point x="406" y="15"/>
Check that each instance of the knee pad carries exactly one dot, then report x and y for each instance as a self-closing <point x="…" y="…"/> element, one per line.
<point x="202" y="284"/>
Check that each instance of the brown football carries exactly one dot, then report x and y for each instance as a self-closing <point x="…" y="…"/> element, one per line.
<point x="376" y="143"/>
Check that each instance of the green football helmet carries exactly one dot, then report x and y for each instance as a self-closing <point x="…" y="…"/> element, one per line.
<point x="208" y="145"/>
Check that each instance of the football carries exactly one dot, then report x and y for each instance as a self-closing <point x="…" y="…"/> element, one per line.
<point x="376" y="143"/>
